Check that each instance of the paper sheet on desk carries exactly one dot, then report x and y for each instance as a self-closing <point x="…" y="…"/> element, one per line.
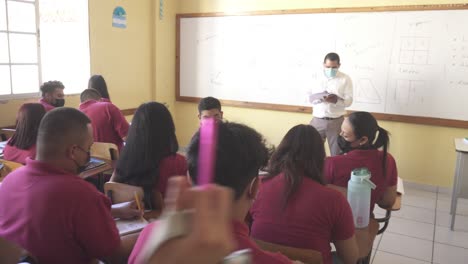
<point x="130" y="226"/>
<point x="399" y="188"/>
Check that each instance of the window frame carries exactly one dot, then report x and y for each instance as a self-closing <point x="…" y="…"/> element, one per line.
<point x="38" y="52"/>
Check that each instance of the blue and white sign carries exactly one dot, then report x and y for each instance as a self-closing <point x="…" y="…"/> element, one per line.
<point x="119" y="17"/>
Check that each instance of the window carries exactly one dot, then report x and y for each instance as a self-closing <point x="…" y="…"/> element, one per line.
<point x="43" y="40"/>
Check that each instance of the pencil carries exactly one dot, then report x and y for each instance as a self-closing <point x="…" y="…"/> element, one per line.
<point x="137" y="200"/>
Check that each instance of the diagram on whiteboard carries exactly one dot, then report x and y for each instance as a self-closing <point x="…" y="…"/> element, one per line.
<point x="366" y="92"/>
<point x="414" y="50"/>
<point x="409" y="92"/>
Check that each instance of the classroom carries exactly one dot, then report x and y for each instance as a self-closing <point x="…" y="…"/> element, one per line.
<point x="147" y="61"/>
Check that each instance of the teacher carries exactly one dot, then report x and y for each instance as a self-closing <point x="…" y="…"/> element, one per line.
<point x="329" y="98"/>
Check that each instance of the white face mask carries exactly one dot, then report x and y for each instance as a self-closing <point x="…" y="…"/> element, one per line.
<point x="330" y="72"/>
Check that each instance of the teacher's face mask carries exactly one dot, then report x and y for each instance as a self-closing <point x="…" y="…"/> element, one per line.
<point x="330" y="72"/>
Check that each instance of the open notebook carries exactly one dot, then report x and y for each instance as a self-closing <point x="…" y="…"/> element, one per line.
<point x="130" y="226"/>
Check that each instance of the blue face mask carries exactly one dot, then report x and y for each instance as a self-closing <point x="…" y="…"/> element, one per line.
<point x="330" y="72"/>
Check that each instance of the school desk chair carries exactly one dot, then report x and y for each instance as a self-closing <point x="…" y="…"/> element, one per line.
<point x="106" y="151"/>
<point x="307" y="256"/>
<point x="374" y="230"/>
<point x="121" y="192"/>
<point x="384" y="221"/>
<point x="8" y="167"/>
<point x="6" y="133"/>
<point x="110" y="154"/>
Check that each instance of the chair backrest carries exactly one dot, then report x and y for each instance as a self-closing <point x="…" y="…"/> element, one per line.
<point x="8" y="167"/>
<point x="6" y="133"/>
<point x="307" y="256"/>
<point x="157" y="203"/>
<point x="120" y="192"/>
<point x="108" y="151"/>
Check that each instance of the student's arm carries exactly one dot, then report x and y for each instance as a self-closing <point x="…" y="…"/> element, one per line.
<point x="96" y="231"/>
<point x="126" y="210"/>
<point x="390" y="194"/>
<point x="389" y="197"/>
<point x="121" y="125"/>
<point x="123" y="252"/>
<point x="347" y="250"/>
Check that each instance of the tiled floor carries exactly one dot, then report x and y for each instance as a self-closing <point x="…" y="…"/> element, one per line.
<point x="419" y="233"/>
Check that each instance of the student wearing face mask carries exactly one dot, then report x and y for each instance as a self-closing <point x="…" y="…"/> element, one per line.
<point x="329" y="98"/>
<point x="361" y="139"/>
<point x="52" y="95"/>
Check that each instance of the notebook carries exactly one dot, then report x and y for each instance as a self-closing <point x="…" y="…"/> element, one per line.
<point x="130" y="226"/>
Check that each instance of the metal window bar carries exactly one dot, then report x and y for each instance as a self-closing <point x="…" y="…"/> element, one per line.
<point x="8" y="32"/>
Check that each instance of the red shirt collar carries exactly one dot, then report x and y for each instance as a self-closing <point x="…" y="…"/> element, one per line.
<point x="46" y="167"/>
<point x="87" y="103"/>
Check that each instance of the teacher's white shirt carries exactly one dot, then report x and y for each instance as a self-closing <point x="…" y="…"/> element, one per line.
<point x="342" y="86"/>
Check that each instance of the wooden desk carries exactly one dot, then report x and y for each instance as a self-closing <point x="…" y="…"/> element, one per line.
<point x="460" y="181"/>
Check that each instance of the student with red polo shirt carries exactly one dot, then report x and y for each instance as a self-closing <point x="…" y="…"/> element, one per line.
<point x="294" y="207"/>
<point x="150" y="157"/>
<point x="98" y="83"/>
<point x="360" y="140"/>
<point x="109" y="124"/>
<point x="240" y="153"/>
<point x="57" y="216"/>
<point x="23" y="142"/>
<point x="52" y="95"/>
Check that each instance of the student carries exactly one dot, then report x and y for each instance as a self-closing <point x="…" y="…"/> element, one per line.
<point x="209" y="107"/>
<point x="240" y="153"/>
<point x="150" y="157"/>
<point x="329" y="98"/>
<point x="109" y="124"/>
<point x="209" y="239"/>
<point x="57" y="216"/>
<point x="97" y="82"/>
<point x="294" y="207"/>
<point x="23" y="142"/>
<point x="52" y="95"/>
<point x="360" y="140"/>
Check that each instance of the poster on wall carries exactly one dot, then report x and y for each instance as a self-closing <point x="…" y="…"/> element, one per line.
<point x="119" y="17"/>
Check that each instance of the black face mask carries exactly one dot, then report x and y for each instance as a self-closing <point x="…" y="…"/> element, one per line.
<point x="59" y="102"/>
<point x="344" y="145"/>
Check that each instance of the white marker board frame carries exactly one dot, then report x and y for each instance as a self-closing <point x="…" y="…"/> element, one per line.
<point x="415" y="119"/>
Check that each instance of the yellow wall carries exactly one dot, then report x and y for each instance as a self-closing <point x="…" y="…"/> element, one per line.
<point x="123" y="57"/>
<point x="165" y="54"/>
<point x="424" y="154"/>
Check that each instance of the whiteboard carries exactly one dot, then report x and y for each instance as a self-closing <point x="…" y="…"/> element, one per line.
<point x="412" y="63"/>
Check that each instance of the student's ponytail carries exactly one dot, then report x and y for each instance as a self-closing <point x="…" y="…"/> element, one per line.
<point x="382" y="141"/>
